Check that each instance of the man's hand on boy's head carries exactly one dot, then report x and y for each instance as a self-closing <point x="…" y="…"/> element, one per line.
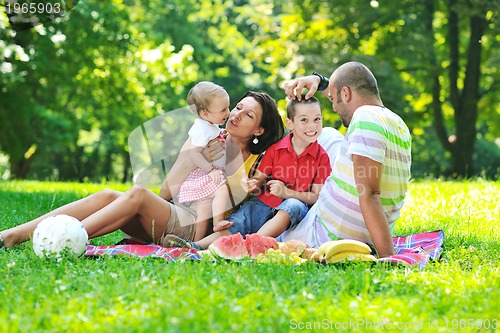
<point x="293" y="88"/>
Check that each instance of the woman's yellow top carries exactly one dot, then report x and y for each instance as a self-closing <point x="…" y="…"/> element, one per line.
<point x="233" y="181"/>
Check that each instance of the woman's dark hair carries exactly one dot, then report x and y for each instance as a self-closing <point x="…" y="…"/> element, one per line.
<point x="271" y="122"/>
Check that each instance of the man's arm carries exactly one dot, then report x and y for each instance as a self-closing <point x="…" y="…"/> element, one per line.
<point x="293" y="88"/>
<point x="367" y="175"/>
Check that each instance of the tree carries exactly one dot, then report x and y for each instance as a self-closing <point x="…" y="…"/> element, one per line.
<point x="75" y="88"/>
<point x="443" y="49"/>
<point x="72" y="90"/>
<point x="464" y="77"/>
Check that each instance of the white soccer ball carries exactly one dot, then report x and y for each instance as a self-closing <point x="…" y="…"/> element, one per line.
<point x="60" y="234"/>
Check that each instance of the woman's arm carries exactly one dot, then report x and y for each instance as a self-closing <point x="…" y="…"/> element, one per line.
<point x="254" y="183"/>
<point x="184" y="165"/>
<point x="214" y="150"/>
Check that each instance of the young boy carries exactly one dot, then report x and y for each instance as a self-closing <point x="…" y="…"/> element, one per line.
<point x="295" y="169"/>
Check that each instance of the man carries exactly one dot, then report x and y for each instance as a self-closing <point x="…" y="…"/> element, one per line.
<point x="363" y="196"/>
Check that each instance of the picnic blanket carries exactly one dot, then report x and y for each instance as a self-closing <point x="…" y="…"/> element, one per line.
<point x="143" y="250"/>
<point x="411" y="250"/>
<point x="417" y="249"/>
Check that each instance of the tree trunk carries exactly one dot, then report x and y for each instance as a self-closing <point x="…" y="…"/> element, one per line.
<point x="108" y="161"/>
<point x="434" y="74"/>
<point x="126" y="166"/>
<point x="466" y="105"/>
<point x="20" y="168"/>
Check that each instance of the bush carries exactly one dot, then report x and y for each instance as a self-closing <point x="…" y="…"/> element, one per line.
<point x="430" y="159"/>
<point x="487" y="158"/>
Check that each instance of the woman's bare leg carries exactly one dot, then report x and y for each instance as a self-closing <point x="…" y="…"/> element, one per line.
<point x="139" y="212"/>
<point x="79" y="209"/>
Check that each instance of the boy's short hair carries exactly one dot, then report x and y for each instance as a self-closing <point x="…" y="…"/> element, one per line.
<point x="200" y="96"/>
<point x="292" y="103"/>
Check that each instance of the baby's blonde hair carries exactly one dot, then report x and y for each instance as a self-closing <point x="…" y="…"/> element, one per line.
<point x="200" y="96"/>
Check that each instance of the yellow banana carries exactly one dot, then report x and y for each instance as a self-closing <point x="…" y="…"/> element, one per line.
<point x="324" y="248"/>
<point x="331" y="248"/>
<point x="351" y="256"/>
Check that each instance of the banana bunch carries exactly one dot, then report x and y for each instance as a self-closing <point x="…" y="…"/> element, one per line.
<point x="345" y="249"/>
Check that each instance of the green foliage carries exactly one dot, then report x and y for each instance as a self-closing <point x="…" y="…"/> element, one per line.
<point x="110" y="294"/>
<point x="72" y="90"/>
<point x="487" y="158"/>
<point x="427" y="159"/>
<point x="427" y="67"/>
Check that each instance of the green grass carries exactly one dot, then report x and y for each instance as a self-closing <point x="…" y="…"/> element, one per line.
<point x="113" y="294"/>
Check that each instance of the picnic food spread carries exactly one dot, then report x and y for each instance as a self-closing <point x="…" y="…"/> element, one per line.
<point x="267" y="250"/>
<point x="411" y="251"/>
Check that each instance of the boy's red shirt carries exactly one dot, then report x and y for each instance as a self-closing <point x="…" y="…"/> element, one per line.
<point x="298" y="173"/>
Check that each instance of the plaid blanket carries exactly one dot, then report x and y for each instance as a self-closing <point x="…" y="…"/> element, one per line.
<point x="144" y="250"/>
<point x="411" y="250"/>
<point x="417" y="249"/>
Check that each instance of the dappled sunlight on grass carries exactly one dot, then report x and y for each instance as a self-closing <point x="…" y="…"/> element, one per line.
<point x="113" y="294"/>
<point x="54" y="187"/>
<point x="464" y="210"/>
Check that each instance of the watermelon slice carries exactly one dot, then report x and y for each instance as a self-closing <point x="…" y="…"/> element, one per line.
<point x="229" y="247"/>
<point x="257" y="244"/>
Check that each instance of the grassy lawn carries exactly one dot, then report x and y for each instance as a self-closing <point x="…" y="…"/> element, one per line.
<point x="113" y="294"/>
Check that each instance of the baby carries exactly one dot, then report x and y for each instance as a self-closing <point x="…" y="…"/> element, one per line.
<point x="206" y="184"/>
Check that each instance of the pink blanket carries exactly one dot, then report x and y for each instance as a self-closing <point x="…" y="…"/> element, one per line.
<point x="411" y="250"/>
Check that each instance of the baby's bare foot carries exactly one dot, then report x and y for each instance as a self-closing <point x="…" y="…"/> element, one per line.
<point x="222" y="225"/>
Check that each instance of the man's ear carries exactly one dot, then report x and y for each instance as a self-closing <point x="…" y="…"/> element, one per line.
<point x="289" y="124"/>
<point x="345" y="94"/>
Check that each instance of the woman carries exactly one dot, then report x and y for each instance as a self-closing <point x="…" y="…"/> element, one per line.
<point x="254" y="124"/>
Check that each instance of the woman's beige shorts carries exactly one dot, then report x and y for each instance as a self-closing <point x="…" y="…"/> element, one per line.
<point x="181" y="222"/>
